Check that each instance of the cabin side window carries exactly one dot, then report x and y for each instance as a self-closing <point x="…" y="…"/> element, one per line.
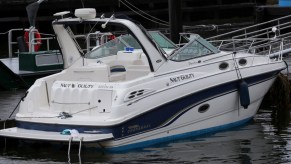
<point x="196" y="47"/>
<point x="162" y="40"/>
<point x="193" y="50"/>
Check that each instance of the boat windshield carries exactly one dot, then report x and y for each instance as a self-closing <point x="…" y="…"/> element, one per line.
<point x="125" y="43"/>
<point x="128" y="43"/>
<point x="162" y="41"/>
<point x="195" y="48"/>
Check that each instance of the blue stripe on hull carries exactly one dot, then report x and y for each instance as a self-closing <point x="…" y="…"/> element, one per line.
<point x="156" y="118"/>
<point x="179" y="136"/>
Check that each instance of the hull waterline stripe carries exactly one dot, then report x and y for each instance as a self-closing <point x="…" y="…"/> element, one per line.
<point x="179" y="136"/>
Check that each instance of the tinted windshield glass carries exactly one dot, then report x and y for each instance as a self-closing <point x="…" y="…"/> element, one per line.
<point x="162" y="40"/>
<point x="197" y="47"/>
<point x="121" y="43"/>
<point x="193" y="50"/>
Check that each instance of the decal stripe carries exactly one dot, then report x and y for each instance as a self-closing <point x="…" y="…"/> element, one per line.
<point x="178" y="136"/>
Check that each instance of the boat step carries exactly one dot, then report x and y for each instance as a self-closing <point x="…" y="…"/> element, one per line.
<point x="52" y="136"/>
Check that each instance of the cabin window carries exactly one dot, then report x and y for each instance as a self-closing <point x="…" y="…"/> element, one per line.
<point x="193" y="50"/>
<point x="196" y="47"/>
<point x="242" y="62"/>
<point x="162" y="40"/>
<point x="223" y="66"/>
<point x="203" y="108"/>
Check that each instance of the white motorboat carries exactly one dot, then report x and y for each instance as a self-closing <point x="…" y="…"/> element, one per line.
<point x="139" y="88"/>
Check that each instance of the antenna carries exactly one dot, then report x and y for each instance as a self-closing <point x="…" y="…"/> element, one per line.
<point x="31" y="10"/>
<point x="102" y="16"/>
<point x="111" y="18"/>
<point x="40" y="1"/>
<point x="82" y="4"/>
<point x="62" y="14"/>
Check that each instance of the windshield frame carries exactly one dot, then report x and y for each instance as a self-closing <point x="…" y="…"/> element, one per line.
<point x="99" y="22"/>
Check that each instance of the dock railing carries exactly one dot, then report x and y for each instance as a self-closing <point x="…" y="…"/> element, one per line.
<point x="10" y="42"/>
<point x="269" y="29"/>
<point x="274" y="48"/>
<point x="91" y="40"/>
<point x="33" y="41"/>
<point x="273" y="33"/>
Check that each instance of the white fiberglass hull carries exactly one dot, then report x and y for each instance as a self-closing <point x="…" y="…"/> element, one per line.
<point x="192" y="124"/>
<point x="222" y="111"/>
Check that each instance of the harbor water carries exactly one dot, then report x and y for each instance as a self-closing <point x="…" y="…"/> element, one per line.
<point x="262" y="140"/>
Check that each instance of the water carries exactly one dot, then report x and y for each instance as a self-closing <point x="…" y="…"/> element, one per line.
<point x="262" y="140"/>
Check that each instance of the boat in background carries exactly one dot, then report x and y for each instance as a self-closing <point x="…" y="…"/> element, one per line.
<point x="31" y="62"/>
<point x="140" y="88"/>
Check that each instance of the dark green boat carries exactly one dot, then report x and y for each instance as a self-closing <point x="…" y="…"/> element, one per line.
<point x="22" y="71"/>
<point x="31" y="64"/>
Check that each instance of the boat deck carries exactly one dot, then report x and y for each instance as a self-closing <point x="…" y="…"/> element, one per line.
<point x="13" y="65"/>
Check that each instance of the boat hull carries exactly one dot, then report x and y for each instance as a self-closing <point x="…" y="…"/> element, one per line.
<point x="223" y="111"/>
<point x="191" y="124"/>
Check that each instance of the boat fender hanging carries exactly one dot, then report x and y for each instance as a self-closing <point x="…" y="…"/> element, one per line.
<point x="72" y="132"/>
<point x="244" y="94"/>
<point x="37" y="36"/>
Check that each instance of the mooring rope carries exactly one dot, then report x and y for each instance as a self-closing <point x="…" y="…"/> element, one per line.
<point x="286" y="67"/>
<point x="140" y="14"/>
<point x="22" y="98"/>
<point x="80" y="146"/>
<point x="69" y="149"/>
<point x="239" y="76"/>
<point x="63" y="115"/>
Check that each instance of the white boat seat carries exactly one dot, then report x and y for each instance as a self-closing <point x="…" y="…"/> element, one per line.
<point x="94" y="73"/>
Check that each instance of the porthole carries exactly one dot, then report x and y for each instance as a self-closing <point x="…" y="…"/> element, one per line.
<point x="223" y="66"/>
<point x="242" y="62"/>
<point x="203" y="108"/>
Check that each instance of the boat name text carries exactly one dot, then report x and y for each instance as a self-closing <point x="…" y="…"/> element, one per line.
<point x="76" y="85"/>
<point x="181" y="78"/>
